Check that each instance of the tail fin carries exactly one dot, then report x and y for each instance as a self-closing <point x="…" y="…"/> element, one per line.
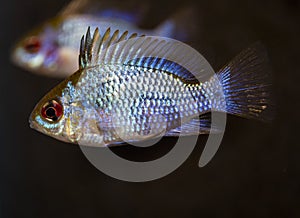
<point x="182" y="26"/>
<point x="246" y="84"/>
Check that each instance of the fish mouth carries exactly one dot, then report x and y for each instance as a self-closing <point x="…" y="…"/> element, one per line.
<point x="31" y="121"/>
<point x="34" y="125"/>
<point x="22" y="59"/>
<point x="31" y="124"/>
<point x="15" y="57"/>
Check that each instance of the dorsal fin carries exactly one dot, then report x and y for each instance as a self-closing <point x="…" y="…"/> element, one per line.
<point x="114" y="9"/>
<point x="74" y="7"/>
<point x="92" y="48"/>
<point x="158" y="53"/>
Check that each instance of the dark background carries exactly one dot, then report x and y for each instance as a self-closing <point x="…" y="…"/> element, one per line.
<point x="254" y="174"/>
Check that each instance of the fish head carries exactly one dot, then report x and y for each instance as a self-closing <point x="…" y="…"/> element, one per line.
<point x="39" y="52"/>
<point x="57" y="114"/>
<point x="48" y="116"/>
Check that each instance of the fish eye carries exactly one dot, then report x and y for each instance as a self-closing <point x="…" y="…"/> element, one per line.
<point x="32" y="45"/>
<point x="52" y="111"/>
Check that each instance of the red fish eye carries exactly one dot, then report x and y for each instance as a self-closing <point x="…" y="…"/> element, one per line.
<point x="52" y="111"/>
<point x="32" y="45"/>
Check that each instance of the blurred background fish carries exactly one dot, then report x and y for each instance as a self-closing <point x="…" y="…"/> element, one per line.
<point x="52" y="48"/>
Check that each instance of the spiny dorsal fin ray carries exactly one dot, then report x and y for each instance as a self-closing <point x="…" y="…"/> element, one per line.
<point x="91" y="48"/>
<point x="88" y="45"/>
<point x="150" y="52"/>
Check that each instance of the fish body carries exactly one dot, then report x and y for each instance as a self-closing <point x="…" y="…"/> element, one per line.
<point x="131" y="89"/>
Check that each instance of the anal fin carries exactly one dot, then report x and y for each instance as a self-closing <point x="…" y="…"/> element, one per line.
<point x="196" y="126"/>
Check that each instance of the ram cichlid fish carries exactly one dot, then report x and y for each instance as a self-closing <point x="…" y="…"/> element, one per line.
<point x="52" y="48"/>
<point x="131" y="89"/>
